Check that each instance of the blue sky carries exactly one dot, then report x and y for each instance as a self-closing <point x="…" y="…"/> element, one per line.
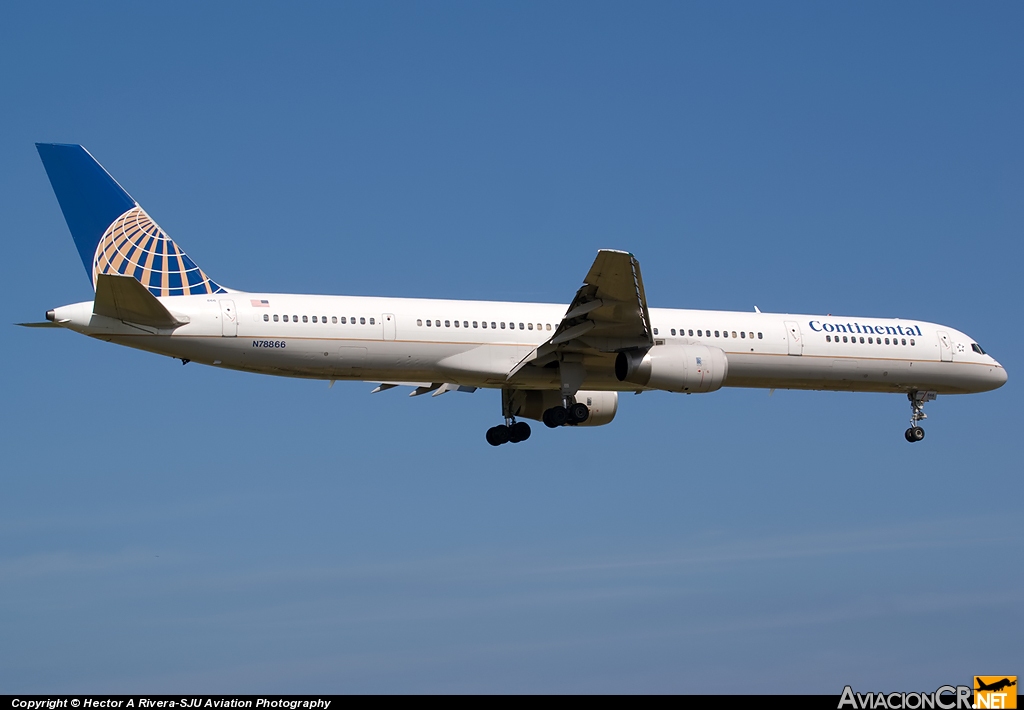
<point x="170" y="528"/>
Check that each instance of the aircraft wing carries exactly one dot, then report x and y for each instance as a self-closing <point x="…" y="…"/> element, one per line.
<point x="608" y="314"/>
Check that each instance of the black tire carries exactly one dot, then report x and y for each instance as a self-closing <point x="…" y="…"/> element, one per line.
<point x="918" y="433"/>
<point x="492" y="438"/>
<point x="546" y="418"/>
<point x="579" y="413"/>
<point x="520" y="431"/>
<point x="909" y="435"/>
<point x="558" y="416"/>
<point x="497" y="435"/>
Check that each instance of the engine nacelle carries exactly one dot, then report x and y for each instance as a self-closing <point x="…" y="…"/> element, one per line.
<point x="603" y="405"/>
<point x="675" y="368"/>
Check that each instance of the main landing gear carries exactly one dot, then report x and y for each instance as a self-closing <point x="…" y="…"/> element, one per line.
<point x="917" y="400"/>
<point x="571" y="414"/>
<point x="511" y="432"/>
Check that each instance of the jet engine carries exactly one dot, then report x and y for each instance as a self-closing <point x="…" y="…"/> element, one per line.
<point x="675" y="368"/>
<point x="602" y="405"/>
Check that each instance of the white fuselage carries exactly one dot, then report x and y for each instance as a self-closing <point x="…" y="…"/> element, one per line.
<point x="477" y="343"/>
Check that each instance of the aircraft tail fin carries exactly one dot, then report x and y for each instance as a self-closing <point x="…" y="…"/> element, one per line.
<point x="114" y="235"/>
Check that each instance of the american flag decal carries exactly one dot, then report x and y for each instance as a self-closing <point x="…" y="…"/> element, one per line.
<point x="260" y="304"/>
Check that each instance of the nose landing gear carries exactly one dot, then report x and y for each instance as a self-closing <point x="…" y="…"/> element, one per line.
<point x="917" y="400"/>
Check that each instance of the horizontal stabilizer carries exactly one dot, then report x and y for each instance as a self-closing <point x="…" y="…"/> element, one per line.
<point x="124" y="298"/>
<point x="44" y="324"/>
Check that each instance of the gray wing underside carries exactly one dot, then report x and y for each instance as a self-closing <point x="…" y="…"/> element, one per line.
<point x="608" y="314"/>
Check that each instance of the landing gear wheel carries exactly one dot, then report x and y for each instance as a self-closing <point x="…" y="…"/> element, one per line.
<point x="520" y="431"/>
<point x="917" y="401"/>
<point x="579" y="413"/>
<point x="556" y="417"/>
<point x="498" y="435"/>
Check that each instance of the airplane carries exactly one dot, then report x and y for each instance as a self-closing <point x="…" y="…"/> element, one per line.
<point x="563" y="365"/>
<point x="996" y="686"/>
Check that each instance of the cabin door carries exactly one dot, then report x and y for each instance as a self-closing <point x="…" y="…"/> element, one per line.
<point x="796" y="343"/>
<point x="945" y="346"/>
<point x="389" y="326"/>
<point x="228" y="319"/>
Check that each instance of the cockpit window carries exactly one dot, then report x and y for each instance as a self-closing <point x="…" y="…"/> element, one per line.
<point x="977" y="348"/>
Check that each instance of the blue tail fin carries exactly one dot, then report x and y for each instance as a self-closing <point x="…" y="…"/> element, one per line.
<point x="113" y="234"/>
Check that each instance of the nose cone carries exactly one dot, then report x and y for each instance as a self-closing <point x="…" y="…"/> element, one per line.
<point x="1000" y="376"/>
<point x="993" y="378"/>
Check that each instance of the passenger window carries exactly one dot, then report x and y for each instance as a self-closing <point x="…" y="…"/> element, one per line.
<point x="372" y="321"/>
<point x="530" y="326"/>
<point x="493" y="326"/>
<point x="305" y="319"/>
<point x="334" y="319"/>
<point x="362" y="321"/>
<point x="266" y="317"/>
<point x="285" y="319"/>
<point x="447" y="324"/>
<point x="700" y="334"/>
<point x="475" y="324"/>
<point x="716" y="334"/>
<point x="547" y="326"/>
<point x="428" y="322"/>
<point x="344" y="320"/>
<point x="886" y="341"/>
<point x="275" y="318"/>
<point x="911" y="341"/>
<point x="465" y="324"/>
<point x="456" y="324"/>
<point x="760" y="336"/>
<point x="503" y="325"/>
<point x="691" y="332"/>
<point x="419" y="322"/>
<point x="323" y="319"/>
<point x="844" y="338"/>
<point x="734" y="334"/>
<point x="903" y="341"/>
<point x="673" y="331"/>
<point x="828" y="338"/>
<point x="870" y="341"/>
<point x="521" y="327"/>
<point x="314" y="319"/>
<point x="742" y="334"/>
<point x="483" y="324"/>
<point x="655" y="331"/>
